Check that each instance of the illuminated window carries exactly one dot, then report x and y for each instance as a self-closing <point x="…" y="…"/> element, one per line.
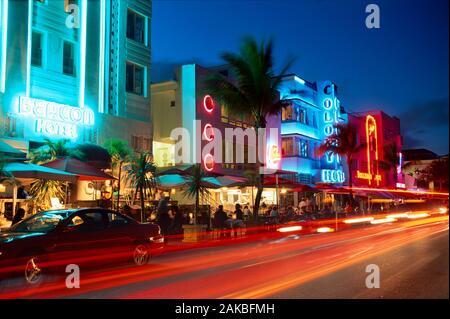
<point x="36" y="49"/>
<point x="135" y="26"/>
<point x="68" y="59"/>
<point x="135" y="79"/>
<point x="67" y="3"/>
<point x="304" y="148"/>
<point x="301" y="115"/>
<point x="295" y="113"/>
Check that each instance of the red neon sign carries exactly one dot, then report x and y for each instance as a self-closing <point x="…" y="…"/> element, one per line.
<point x="208" y="132"/>
<point x="208" y="162"/>
<point x="208" y="103"/>
<point x="372" y="152"/>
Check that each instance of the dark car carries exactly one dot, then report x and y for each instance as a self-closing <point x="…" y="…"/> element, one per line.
<point x="49" y="241"/>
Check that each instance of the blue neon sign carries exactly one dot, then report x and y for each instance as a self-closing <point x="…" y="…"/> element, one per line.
<point x="55" y="119"/>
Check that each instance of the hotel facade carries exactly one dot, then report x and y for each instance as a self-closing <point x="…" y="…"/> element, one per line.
<point x="184" y="102"/>
<point x="75" y="69"/>
<point x="313" y="110"/>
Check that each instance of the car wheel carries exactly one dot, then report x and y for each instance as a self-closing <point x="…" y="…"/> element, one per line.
<point x="141" y="255"/>
<point x="33" y="272"/>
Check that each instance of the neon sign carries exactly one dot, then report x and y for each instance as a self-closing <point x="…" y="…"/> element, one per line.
<point x="208" y="132"/>
<point x="208" y="103"/>
<point x="274" y="156"/>
<point x="333" y="176"/>
<point x="330" y="118"/>
<point x="372" y="152"/>
<point x="54" y="118"/>
<point x="208" y="162"/>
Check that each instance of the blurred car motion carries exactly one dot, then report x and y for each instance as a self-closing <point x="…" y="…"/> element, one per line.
<point x="47" y="242"/>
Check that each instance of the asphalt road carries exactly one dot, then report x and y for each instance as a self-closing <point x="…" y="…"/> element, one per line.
<point x="412" y="257"/>
<point x="416" y="270"/>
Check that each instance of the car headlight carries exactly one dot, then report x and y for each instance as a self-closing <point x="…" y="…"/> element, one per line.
<point x="157" y="240"/>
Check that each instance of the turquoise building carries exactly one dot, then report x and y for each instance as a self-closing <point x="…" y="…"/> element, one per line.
<point x="76" y="69"/>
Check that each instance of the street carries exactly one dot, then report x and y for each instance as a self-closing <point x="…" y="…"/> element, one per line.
<point x="412" y="257"/>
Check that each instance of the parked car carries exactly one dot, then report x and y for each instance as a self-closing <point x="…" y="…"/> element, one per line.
<point x="49" y="241"/>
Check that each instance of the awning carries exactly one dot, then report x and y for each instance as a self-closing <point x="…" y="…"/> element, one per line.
<point x="11" y="152"/>
<point x="85" y="172"/>
<point x="182" y="169"/>
<point x="33" y="171"/>
<point x="178" y="181"/>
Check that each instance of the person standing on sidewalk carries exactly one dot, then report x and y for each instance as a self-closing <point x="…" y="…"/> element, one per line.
<point x="239" y="221"/>
<point x="163" y="218"/>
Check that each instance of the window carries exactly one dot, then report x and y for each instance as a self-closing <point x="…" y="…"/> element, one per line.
<point x="295" y="146"/>
<point x="301" y="116"/>
<point x="92" y="221"/>
<point x="287" y="146"/>
<point x="67" y="3"/>
<point x="294" y="112"/>
<point x="135" y="26"/>
<point x="116" y="220"/>
<point x="134" y="79"/>
<point x="146" y="144"/>
<point x="68" y="61"/>
<point x="304" y="148"/>
<point x="172" y="103"/>
<point x="36" y="49"/>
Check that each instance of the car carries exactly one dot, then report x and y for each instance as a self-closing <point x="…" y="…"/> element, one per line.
<point x="47" y="242"/>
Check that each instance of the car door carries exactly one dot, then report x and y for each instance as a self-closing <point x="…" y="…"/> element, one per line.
<point x="84" y="238"/>
<point x="122" y="231"/>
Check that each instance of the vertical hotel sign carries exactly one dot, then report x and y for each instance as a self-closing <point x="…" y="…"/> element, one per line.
<point x="330" y="118"/>
<point x="54" y="119"/>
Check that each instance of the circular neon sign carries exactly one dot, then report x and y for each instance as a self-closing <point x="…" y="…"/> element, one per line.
<point x="208" y="132"/>
<point x="208" y="162"/>
<point x="208" y="103"/>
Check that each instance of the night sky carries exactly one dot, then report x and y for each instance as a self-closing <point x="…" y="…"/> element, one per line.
<point x="401" y="68"/>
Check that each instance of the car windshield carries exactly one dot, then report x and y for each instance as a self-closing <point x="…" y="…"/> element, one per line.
<point x="42" y="222"/>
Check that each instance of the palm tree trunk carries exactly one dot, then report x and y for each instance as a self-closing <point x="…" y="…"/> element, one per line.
<point x="118" y="186"/>
<point x="257" y="203"/>
<point x="197" y="201"/>
<point x="260" y="187"/>
<point x="141" y="194"/>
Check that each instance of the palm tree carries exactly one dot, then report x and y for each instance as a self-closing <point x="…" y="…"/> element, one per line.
<point x="141" y="174"/>
<point x="391" y="159"/>
<point x="52" y="150"/>
<point x="254" y="93"/>
<point x="120" y="153"/>
<point x="43" y="190"/>
<point x="196" y="187"/>
<point x="436" y="171"/>
<point x="344" y="143"/>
